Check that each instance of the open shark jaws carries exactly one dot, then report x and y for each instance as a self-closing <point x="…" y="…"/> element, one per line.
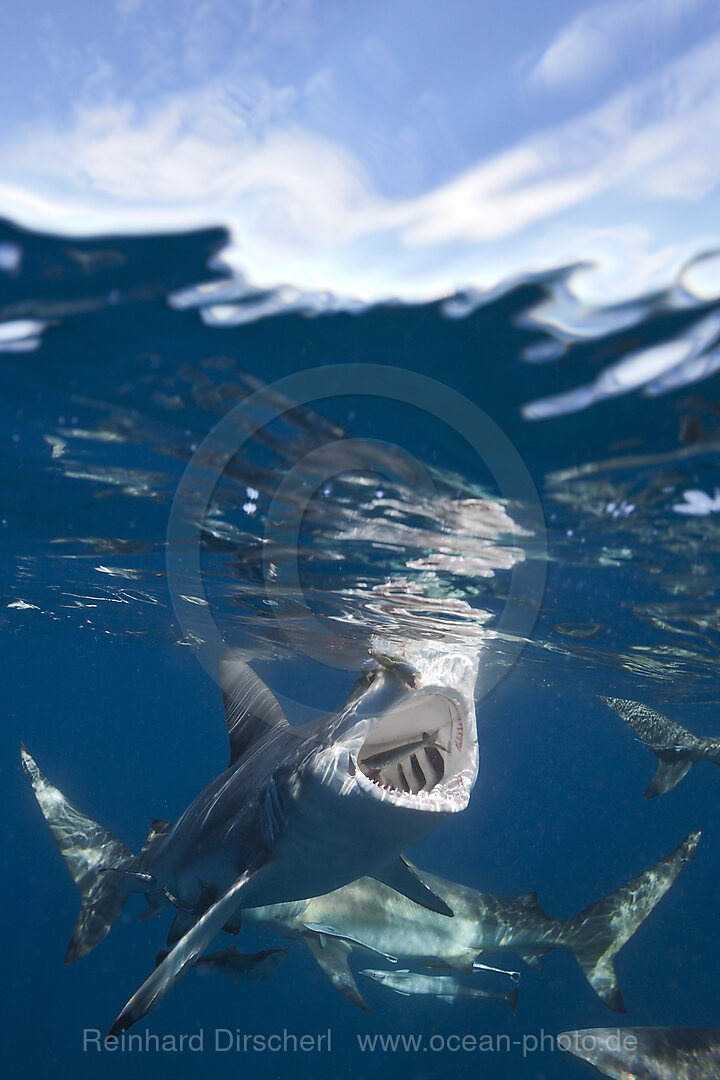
<point x="370" y="917"/>
<point x="297" y="812"/>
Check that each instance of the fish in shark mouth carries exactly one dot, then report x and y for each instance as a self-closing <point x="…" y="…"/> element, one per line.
<point x="425" y="773"/>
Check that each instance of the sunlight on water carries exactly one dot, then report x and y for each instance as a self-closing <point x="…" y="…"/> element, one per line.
<point x="356" y="545"/>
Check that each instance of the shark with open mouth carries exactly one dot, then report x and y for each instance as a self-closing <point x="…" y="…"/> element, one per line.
<point x="300" y="810"/>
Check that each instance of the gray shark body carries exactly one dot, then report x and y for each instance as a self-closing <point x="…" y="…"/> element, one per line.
<point x="676" y="748"/>
<point x="368" y="916"/>
<point x="446" y="988"/>
<point x="650" y="1053"/>
<point x="295" y="813"/>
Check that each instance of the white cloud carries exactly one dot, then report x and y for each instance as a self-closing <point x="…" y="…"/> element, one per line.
<point x="600" y="37"/>
<point x="658" y="139"/>
<point x="304" y="210"/>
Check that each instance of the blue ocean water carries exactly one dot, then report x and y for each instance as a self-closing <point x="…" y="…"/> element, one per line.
<point x="113" y="374"/>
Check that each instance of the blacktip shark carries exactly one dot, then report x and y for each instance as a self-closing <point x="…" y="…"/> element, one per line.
<point x="647" y="1053"/>
<point x="295" y="813"/>
<point x="676" y="748"/>
<point x="368" y="916"/>
<point x="447" y="988"/>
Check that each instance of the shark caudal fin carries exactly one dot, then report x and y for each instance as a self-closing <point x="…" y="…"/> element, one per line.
<point x="91" y="855"/>
<point x="675" y="747"/>
<point x="596" y="935"/>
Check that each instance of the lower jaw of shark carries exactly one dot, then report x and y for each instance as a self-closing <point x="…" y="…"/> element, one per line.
<point x="422" y="755"/>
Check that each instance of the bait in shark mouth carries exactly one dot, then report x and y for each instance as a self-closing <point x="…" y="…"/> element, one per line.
<point x="292" y="816"/>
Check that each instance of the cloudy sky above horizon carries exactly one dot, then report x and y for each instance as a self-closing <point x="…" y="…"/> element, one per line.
<point x="375" y="149"/>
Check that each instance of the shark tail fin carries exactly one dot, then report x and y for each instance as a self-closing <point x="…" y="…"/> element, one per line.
<point x="89" y="852"/>
<point x="673" y="745"/>
<point x="596" y="935"/>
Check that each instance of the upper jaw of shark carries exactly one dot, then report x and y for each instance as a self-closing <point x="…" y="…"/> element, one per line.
<point x="420" y="751"/>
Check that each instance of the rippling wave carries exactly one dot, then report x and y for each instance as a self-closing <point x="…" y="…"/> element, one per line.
<point x="117" y="363"/>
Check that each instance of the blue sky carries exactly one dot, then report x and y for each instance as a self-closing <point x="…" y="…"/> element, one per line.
<point x="375" y="149"/>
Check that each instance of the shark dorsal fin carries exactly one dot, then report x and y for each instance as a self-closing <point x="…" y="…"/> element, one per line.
<point x="530" y="901"/>
<point x="251" y="709"/>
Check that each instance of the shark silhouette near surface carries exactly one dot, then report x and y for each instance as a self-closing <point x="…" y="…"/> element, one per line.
<point x="297" y="812"/>
<point x="676" y="748"/>
<point x="647" y="1053"/>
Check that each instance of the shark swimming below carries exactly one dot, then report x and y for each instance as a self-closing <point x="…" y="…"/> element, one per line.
<point x="676" y="748"/>
<point x="647" y="1053"/>
<point x="297" y="812"/>
<point x="369" y="917"/>
<point x="253" y="967"/>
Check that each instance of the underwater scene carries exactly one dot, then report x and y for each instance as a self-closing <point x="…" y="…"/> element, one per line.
<point x="360" y="531"/>
<point x="494" y="624"/>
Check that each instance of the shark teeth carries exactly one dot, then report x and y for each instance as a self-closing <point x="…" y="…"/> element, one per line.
<point x="450" y="797"/>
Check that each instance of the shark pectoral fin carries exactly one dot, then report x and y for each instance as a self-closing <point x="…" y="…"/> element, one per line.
<point x="402" y="878"/>
<point x="332" y="958"/>
<point x="176" y="963"/>
<point x="251" y="708"/>
<point x="325" y="931"/>
<point x="447" y="998"/>
<point x="673" y="765"/>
